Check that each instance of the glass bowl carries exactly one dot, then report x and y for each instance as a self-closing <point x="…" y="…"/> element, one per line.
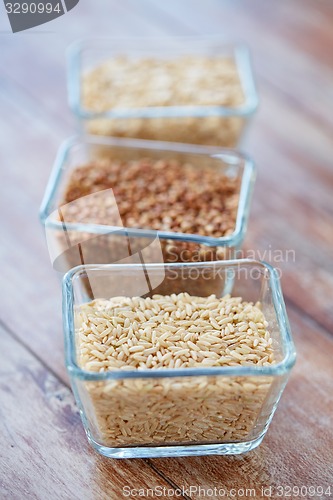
<point x="221" y="125"/>
<point x="71" y="244"/>
<point x="212" y="410"/>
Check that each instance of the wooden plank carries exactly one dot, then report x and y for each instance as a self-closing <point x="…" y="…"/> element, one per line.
<point x="292" y="205"/>
<point x="307" y="25"/>
<point x="44" y="77"/>
<point x="298" y="448"/>
<point x="44" y="452"/>
<point x="291" y="45"/>
<point x="28" y="146"/>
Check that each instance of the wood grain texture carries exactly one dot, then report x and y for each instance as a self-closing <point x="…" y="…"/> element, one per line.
<point x="298" y="448"/>
<point x="44" y="452"/>
<point x="291" y="141"/>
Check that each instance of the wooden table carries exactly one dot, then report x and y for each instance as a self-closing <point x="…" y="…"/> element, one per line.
<point x="44" y="452"/>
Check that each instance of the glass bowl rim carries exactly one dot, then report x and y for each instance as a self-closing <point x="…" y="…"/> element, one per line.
<point x="247" y="183"/>
<point x="280" y="368"/>
<point x="241" y="55"/>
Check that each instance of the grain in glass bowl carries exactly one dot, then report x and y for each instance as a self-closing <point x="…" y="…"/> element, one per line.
<point x="162" y="195"/>
<point x="178" y="331"/>
<point x="192" y="90"/>
<point x="177" y="374"/>
<point x="191" y="201"/>
<point x="146" y="83"/>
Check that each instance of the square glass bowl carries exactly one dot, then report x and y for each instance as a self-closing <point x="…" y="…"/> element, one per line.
<point x="211" y="410"/>
<point x="221" y="125"/>
<point x="71" y="244"/>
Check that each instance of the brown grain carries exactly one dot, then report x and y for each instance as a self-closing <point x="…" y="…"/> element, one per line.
<point x="162" y="195"/>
